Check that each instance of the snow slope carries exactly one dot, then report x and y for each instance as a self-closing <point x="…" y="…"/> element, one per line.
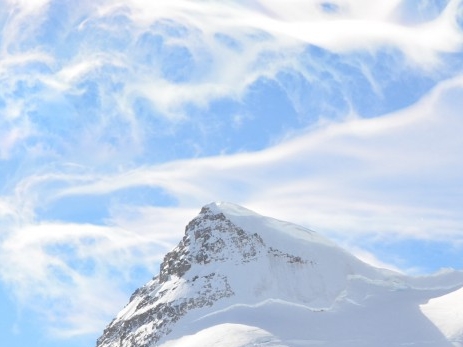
<point x="238" y="279"/>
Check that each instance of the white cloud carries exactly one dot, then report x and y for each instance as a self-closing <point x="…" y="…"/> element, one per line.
<point x="8" y="139"/>
<point x="28" y="6"/>
<point x="219" y="68"/>
<point x="371" y="259"/>
<point x="397" y="174"/>
<point x="76" y="275"/>
<point x="290" y="26"/>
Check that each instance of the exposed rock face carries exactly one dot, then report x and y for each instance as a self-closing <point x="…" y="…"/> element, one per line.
<point x="154" y="308"/>
<point x="215" y="239"/>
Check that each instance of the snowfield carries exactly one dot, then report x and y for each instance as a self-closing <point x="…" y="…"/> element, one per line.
<point x="227" y="335"/>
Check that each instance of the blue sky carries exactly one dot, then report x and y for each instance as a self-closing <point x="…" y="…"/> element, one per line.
<point x="120" y="119"/>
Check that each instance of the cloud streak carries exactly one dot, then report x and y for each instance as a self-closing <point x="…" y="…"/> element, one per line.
<point x="121" y="53"/>
<point x="389" y="163"/>
<point x="78" y="272"/>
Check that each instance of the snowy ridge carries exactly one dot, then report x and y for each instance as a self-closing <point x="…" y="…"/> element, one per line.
<point x="238" y="279"/>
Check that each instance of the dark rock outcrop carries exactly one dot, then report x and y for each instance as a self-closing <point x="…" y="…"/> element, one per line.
<point x="155" y="307"/>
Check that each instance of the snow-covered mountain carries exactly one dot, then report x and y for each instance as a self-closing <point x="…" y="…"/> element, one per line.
<point x="238" y="279"/>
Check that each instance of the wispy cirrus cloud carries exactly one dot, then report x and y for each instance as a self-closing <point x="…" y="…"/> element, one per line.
<point x="74" y="274"/>
<point x="371" y="169"/>
<point x="368" y="168"/>
<point x="113" y="61"/>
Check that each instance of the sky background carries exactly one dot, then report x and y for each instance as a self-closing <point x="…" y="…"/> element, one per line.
<point x="119" y="120"/>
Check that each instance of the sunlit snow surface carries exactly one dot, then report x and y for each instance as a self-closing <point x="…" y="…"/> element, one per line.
<point x="227" y="335"/>
<point x="447" y="313"/>
<point x="299" y="290"/>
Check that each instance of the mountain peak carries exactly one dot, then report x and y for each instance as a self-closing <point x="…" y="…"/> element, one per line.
<point x="225" y="207"/>
<point x="211" y="236"/>
<point x="228" y="209"/>
<point x="236" y="266"/>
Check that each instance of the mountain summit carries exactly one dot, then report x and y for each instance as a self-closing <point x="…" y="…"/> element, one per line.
<point x="238" y="279"/>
